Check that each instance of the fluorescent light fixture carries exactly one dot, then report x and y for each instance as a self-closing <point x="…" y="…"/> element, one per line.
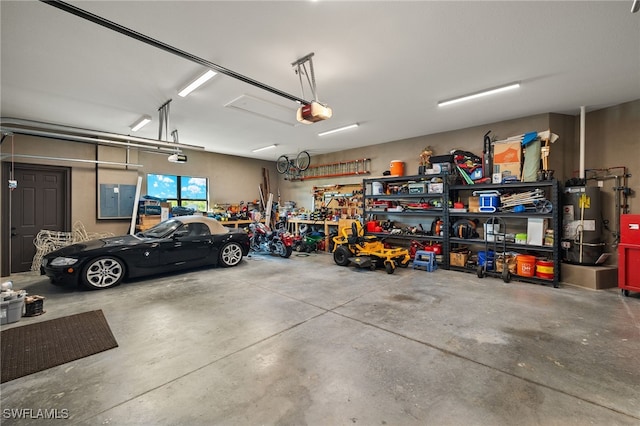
<point x="197" y="83"/>
<point x="487" y="92"/>
<point x="339" y="129"/>
<point x="264" y="147"/>
<point x="140" y="123"/>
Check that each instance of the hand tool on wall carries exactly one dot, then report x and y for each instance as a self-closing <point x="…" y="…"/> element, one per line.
<point x="487" y="167"/>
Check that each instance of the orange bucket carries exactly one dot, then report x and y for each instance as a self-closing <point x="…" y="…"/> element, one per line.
<point x="544" y="269"/>
<point x="397" y="168"/>
<point x="526" y="265"/>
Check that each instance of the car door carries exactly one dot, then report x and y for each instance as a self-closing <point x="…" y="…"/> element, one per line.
<point x="145" y="257"/>
<point x="190" y="245"/>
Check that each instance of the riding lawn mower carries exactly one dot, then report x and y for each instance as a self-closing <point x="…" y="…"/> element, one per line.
<point x="352" y="246"/>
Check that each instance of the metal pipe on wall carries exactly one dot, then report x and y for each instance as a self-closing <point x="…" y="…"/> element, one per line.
<point x="582" y="141"/>
<point x="75" y="160"/>
<point x="59" y="131"/>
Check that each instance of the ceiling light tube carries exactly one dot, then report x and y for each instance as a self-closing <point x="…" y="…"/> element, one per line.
<point x="487" y="92"/>
<point x="339" y="129"/>
<point x="264" y="147"/>
<point x="140" y="123"/>
<point x="197" y="83"/>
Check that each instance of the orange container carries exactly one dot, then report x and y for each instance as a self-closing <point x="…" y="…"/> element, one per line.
<point x="544" y="269"/>
<point x="397" y="168"/>
<point x="526" y="265"/>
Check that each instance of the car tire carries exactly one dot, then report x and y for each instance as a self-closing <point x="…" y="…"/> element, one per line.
<point x="103" y="272"/>
<point x="341" y="256"/>
<point x="231" y="254"/>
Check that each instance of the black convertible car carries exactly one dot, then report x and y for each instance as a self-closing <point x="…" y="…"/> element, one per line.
<point x="178" y="243"/>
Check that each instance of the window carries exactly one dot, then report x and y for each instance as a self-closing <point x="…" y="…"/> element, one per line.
<point x="196" y="229"/>
<point x="184" y="191"/>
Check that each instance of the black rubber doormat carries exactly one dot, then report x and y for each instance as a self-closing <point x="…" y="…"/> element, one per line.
<point x="36" y="347"/>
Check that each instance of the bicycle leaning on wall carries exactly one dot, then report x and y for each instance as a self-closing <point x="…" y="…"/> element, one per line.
<point x="293" y="169"/>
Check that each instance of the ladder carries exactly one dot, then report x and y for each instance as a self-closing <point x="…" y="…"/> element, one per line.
<point x="341" y="168"/>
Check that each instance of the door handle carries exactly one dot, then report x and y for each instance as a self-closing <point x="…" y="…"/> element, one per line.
<point x="13" y="233"/>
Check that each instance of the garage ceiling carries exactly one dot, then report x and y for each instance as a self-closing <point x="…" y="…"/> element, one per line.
<point x="382" y="64"/>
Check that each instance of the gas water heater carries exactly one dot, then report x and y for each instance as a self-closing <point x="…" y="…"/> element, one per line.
<point x="582" y="225"/>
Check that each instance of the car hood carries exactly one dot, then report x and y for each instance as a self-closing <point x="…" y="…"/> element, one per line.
<point x="101" y="243"/>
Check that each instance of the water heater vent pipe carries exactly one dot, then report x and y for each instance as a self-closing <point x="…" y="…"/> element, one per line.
<point x="582" y="144"/>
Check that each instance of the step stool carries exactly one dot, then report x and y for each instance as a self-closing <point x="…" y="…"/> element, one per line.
<point x="426" y="259"/>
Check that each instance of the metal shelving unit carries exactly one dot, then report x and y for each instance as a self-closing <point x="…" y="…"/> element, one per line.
<point x="552" y="192"/>
<point x="430" y="213"/>
<point x="453" y="192"/>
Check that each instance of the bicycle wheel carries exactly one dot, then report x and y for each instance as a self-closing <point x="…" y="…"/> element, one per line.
<point x="282" y="165"/>
<point x="303" y="160"/>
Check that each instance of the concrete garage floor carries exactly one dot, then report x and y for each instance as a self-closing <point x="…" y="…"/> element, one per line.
<point x="302" y="341"/>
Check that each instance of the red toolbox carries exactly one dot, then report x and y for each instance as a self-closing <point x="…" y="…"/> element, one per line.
<point x="630" y="229"/>
<point x="629" y="254"/>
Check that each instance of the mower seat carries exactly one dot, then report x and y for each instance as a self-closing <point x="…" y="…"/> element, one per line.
<point x="355" y="237"/>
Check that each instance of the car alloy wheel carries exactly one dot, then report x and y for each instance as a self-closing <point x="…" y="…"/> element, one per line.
<point x="231" y="254"/>
<point x="103" y="272"/>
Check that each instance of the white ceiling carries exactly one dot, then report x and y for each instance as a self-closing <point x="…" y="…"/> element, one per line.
<point x="382" y="64"/>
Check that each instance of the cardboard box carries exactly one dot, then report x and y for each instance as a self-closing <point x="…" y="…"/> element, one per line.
<point x="459" y="258"/>
<point x="148" y="221"/>
<point x="591" y="277"/>
<point x="511" y="261"/>
<point x="507" y="158"/>
<point x="474" y="204"/>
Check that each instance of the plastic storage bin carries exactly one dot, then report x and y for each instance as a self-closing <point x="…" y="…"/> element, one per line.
<point x="11" y="310"/>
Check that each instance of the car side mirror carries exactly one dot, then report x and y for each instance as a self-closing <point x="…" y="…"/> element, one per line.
<point x="181" y="233"/>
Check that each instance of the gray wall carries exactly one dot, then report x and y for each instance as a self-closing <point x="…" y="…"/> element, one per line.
<point x="231" y="179"/>
<point x="612" y="139"/>
<point x="408" y="151"/>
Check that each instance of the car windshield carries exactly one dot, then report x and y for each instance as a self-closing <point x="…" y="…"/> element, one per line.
<point x="161" y="230"/>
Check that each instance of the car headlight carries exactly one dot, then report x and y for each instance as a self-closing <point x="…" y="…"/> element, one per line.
<point x="63" y="261"/>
